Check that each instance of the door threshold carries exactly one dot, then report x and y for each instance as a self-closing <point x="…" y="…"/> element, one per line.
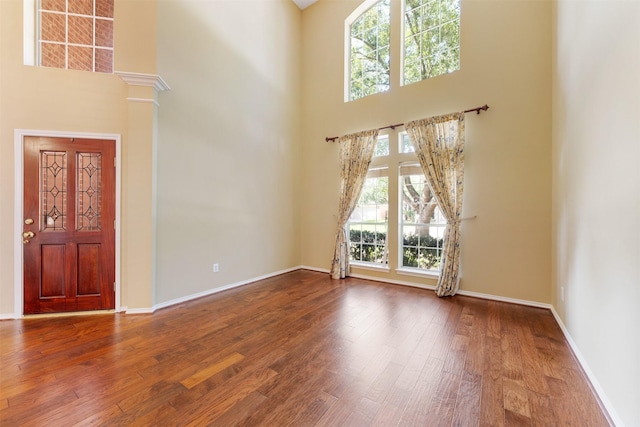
<point x="68" y="314"/>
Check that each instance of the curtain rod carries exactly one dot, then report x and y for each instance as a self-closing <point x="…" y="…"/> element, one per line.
<point x="485" y="107"/>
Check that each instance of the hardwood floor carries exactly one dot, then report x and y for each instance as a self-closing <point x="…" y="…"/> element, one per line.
<point x="298" y="350"/>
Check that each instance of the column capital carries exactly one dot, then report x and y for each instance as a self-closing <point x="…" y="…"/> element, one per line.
<point x="141" y="79"/>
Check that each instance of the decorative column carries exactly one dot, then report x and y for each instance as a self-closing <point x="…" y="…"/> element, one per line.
<point x="139" y="164"/>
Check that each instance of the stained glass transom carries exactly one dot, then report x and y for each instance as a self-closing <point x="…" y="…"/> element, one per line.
<point x="89" y="192"/>
<point x="53" y="190"/>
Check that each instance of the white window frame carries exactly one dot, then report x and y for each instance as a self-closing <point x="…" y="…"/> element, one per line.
<point x="378" y="170"/>
<point x="359" y="11"/>
<point x="401" y="223"/>
<point x="392" y="163"/>
<point x="29" y="32"/>
<point x="402" y="49"/>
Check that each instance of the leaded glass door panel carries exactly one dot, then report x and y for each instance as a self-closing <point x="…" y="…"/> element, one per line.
<point x="68" y="232"/>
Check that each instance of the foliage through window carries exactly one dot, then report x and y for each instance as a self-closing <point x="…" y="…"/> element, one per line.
<point x="382" y="146"/>
<point x="368" y="224"/>
<point x="420" y="224"/>
<point x="431" y="38"/>
<point x="76" y="34"/>
<point x="369" y="51"/>
<point x="430" y="44"/>
<point x="405" y="144"/>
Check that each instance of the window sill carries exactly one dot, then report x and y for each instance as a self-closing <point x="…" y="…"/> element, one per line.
<point x="418" y="273"/>
<point x="372" y="267"/>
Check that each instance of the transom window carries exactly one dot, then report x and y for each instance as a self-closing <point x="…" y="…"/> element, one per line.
<point x="430" y="44"/>
<point x="75" y="34"/>
<point x="369" y="51"/>
<point x="431" y="38"/>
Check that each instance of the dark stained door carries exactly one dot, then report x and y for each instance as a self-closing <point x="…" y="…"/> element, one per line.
<point x="68" y="224"/>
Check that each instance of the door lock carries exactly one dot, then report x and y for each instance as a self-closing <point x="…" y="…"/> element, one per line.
<point x="28" y="221"/>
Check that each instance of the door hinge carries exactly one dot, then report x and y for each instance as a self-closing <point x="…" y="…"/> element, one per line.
<point x="114" y="224"/>
<point x="114" y="286"/>
<point x="114" y="162"/>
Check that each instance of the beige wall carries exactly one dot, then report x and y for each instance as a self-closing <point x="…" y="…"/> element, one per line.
<point x="228" y="154"/>
<point x="244" y="178"/>
<point x="505" y="62"/>
<point x="596" y="214"/>
<point x="49" y="99"/>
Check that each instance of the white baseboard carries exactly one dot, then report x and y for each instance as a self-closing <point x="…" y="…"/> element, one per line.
<point x="505" y="299"/>
<point x="215" y="290"/>
<point x="373" y="278"/>
<point x="607" y="407"/>
<point x="394" y="282"/>
<point x="8" y="316"/>
<point x="143" y="310"/>
<point x="432" y="288"/>
<point x="319" y="270"/>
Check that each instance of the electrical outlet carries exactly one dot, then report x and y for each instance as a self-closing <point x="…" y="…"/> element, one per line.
<point x="216" y="268"/>
<point x="562" y="293"/>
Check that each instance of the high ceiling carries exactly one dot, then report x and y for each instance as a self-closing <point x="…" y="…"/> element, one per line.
<point x="304" y="3"/>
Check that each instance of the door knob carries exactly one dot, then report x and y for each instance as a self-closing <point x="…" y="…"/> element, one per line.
<point x="28" y="234"/>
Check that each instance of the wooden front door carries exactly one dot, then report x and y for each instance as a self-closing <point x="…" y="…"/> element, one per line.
<point x="68" y="224"/>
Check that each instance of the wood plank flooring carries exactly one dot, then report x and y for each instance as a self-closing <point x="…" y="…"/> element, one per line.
<point x="298" y="349"/>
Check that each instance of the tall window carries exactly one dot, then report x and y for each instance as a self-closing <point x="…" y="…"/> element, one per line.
<point x="431" y="38"/>
<point x="418" y="235"/>
<point x="75" y="34"/>
<point x="369" y="51"/>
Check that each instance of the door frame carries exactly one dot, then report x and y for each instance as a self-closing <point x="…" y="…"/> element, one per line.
<point x="19" y="135"/>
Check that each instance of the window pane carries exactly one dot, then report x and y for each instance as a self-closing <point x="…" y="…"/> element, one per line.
<point x="432" y="39"/>
<point x="382" y="146"/>
<point x="80" y="58"/>
<point x="449" y="10"/>
<point x="369" y="52"/>
<point x="56" y="5"/>
<point x="52" y="55"/>
<point x="52" y="27"/>
<point x="80" y="30"/>
<point x="405" y="144"/>
<point x="368" y="222"/>
<point x="81" y="7"/>
<point x="104" y="61"/>
<point x="104" y="8"/>
<point x="422" y="224"/>
<point x="104" y="32"/>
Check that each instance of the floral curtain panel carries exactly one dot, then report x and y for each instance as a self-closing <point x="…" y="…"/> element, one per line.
<point x="439" y="145"/>
<point x="356" y="151"/>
